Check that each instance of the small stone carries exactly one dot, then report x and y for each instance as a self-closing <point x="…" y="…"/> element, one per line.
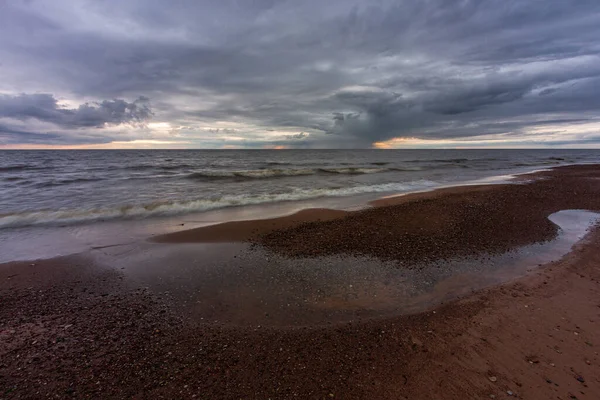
<point x="580" y="379"/>
<point x="492" y="396"/>
<point x="509" y="392"/>
<point x="493" y="378"/>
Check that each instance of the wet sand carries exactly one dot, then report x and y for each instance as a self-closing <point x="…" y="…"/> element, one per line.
<point x="71" y="328"/>
<point x="245" y="285"/>
<point x="423" y="227"/>
<point x="239" y="231"/>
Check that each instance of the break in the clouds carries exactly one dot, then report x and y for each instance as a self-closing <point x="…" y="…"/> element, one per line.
<point x="269" y="73"/>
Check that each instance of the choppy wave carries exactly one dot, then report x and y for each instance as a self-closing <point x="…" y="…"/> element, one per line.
<point x="139" y="167"/>
<point x="67" y="181"/>
<point x="455" y="160"/>
<point x="278" y="163"/>
<point x="537" y="163"/>
<point x="173" y="167"/>
<point x="167" y="208"/>
<point x="18" y="167"/>
<point x="442" y="160"/>
<point x="167" y="167"/>
<point x="250" y="173"/>
<point x="285" y="172"/>
<point x="353" y="170"/>
<point x="408" y="169"/>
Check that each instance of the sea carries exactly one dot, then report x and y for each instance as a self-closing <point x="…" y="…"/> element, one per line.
<point x="41" y="191"/>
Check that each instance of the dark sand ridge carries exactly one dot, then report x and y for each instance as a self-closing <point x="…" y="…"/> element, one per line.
<point x="68" y="328"/>
<point x="423" y="227"/>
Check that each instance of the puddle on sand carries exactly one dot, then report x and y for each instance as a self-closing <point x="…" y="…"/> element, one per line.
<point x="231" y="284"/>
<point x="444" y="281"/>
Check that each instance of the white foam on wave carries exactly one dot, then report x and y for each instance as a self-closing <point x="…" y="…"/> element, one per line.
<point x="250" y="173"/>
<point x="268" y="173"/>
<point x="167" y="208"/>
<point x="283" y="172"/>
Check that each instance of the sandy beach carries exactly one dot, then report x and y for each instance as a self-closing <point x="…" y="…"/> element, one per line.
<point x="421" y="227"/>
<point x="74" y="328"/>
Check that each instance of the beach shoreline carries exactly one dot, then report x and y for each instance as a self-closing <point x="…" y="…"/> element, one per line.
<point x="439" y="224"/>
<point x="71" y="327"/>
<point x="52" y="238"/>
<point x="243" y="229"/>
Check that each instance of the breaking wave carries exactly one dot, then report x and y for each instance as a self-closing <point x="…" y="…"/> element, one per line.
<point x="286" y="172"/>
<point x="250" y="174"/>
<point x="167" y="208"/>
<point x="353" y="170"/>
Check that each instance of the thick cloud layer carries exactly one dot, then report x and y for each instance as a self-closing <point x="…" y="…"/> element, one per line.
<point x="45" y="107"/>
<point x="344" y="73"/>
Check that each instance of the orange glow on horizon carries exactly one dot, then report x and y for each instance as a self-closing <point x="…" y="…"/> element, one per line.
<point x="400" y="141"/>
<point x="382" y="145"/>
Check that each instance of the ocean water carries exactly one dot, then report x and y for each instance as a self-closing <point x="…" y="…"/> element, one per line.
<point x="57" y="188"/>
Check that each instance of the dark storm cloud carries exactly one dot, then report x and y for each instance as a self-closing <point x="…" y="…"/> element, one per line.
<point x="46" y="108"/>
<point x="11" y="135"/>
<point x="344" y="73"/>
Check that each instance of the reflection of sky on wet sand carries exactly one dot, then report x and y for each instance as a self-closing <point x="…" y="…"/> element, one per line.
<point x="233" y="284"/>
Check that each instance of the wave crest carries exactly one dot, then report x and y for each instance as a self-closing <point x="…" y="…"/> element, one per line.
<point x="168" y="208"/>
<point x="283" y="172"/>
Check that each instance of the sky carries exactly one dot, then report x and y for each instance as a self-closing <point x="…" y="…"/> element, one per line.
<point x="299" y="74"/>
